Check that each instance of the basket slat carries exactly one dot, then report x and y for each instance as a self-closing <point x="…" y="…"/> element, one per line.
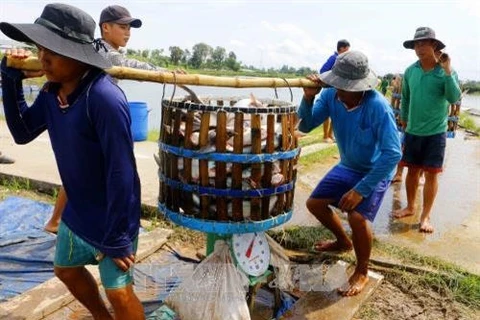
<point x="237" y="205"/>
<point x="203" y="164"/>
<point x="220" y="166"/>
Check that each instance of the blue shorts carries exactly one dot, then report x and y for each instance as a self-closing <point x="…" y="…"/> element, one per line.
<point x="339" y="180"/>
<point x="72" y="251"/>
<point x="425" y="152"/>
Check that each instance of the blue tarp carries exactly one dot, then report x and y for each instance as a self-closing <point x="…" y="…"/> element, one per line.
<point x="26" y="250"/>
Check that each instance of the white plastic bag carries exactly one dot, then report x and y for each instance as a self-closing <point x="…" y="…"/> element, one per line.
<point x="216" y="290"/>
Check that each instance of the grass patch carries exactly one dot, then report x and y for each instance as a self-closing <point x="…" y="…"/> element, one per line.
<point x="180" y="234"/>
<point x="466" y="121"/>
<point x="319" y="156"/>
<point x="16" y="184"/>
<point x="445" y="278"/>
<point x="153" y="135"/>
<point x="300" y="238"/>
<point x="314" y="136"/>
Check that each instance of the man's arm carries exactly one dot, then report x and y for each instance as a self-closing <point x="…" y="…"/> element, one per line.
<point x="405" y="101"/>
<point x="453" y="93"/>
<point x="312" y="114"/>
<point x="24" y="123"/>
<point x="118" y="59"/>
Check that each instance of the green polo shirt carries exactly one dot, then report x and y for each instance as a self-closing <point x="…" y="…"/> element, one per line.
<point x="426" y="97"/>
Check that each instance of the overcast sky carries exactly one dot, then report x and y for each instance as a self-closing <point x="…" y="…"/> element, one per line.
<point x="295" y="33"/>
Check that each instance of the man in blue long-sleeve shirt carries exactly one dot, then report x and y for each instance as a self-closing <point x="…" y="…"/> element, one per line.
<point x="369" y="147"/>
<point x="88" y="121"/>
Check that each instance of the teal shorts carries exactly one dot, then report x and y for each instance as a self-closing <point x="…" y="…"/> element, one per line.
<point x="72" y="251"/>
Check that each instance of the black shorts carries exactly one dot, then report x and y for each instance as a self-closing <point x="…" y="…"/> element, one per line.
<point x="425" y="152"/>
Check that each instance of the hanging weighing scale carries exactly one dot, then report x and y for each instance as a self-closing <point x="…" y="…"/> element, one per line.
<point x="251" y="252"/>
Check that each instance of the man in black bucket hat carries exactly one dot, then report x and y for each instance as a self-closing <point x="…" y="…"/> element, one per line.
<point x="429" y="86"/>
<point x="367" y="139"/>
<point x="88" y="121"/>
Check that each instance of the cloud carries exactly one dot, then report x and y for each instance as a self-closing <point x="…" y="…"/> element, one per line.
<point x="288" y="44"/>
<point x="237" y="43"/>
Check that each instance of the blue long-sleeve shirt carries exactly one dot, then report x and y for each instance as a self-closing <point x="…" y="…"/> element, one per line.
<point x="93" y="146"/>
<point x="328" y="65"/>
<point x="367" y="136"/>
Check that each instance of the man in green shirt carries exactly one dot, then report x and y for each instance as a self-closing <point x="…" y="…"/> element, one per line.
<point x="429" y="87"/>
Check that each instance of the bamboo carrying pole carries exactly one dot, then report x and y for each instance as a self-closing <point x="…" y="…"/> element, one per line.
<point x="33" y="64"/>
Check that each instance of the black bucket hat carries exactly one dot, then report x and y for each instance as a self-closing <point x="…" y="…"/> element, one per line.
<point x="120" y="15"/>
<point x="63" y="29"/>
<point x="423" y="33"/>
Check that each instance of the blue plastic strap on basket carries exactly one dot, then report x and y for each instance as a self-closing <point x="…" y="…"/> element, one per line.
<point x="229" y="157"/>
<point x="232" y="193"/>
<point x="224" y="227"/>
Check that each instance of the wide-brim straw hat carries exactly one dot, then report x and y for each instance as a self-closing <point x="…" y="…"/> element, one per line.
<point x="350" y="73"/>
<point x="63" y="29"/>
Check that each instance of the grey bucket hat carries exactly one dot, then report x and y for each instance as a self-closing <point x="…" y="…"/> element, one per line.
<point x="63" y="29"/>
<point x="423" y="33"/>
<point x="350" y="73"/>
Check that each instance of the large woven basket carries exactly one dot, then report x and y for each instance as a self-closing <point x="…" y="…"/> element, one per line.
<point x="213" y="179"/>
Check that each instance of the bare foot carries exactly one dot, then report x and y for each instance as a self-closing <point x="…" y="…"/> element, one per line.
<point x="356" y="284"/>
<point x="51" y="227"/>
<point x="425" y="226"/>
<point x="402" y="213"/>
<point x="322" y="246"/>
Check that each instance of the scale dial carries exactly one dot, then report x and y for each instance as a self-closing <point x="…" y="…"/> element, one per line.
<point x="252" y="252"/>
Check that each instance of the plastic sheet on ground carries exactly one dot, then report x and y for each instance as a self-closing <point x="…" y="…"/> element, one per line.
<point x="26" y="250"/>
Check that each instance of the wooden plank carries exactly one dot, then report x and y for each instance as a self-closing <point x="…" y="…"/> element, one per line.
<point x="327" y="305"/>
<point x="52" y="295"/>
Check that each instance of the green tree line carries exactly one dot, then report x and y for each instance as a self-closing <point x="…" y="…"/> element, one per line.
<point x="204" y="57"/>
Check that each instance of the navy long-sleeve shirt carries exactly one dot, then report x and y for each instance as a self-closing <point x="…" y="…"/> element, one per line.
<point x="93" y="146"/>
